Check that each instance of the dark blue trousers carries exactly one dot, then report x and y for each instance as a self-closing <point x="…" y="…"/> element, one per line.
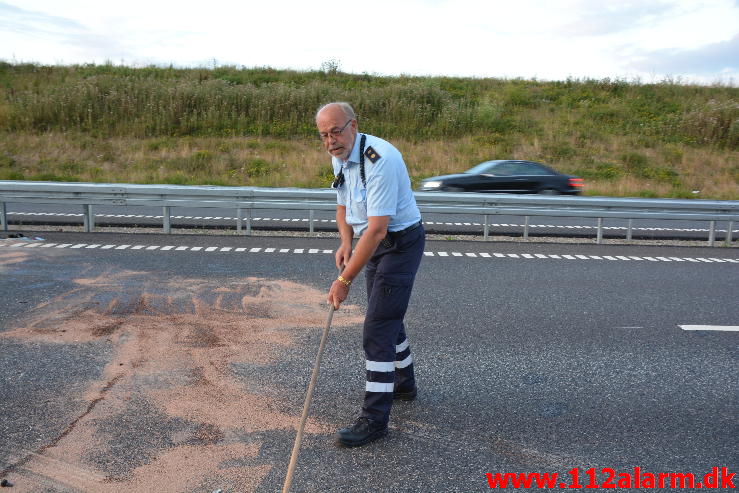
<point x="390" y="274"/>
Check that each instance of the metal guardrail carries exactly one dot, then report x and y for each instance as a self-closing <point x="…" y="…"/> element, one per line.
<point x="247" y="199"/>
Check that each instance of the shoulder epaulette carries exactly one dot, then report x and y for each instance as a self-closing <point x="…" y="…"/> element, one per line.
<point x="372" y="154"/>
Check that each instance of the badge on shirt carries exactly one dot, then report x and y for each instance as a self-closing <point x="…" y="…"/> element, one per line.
<point x="372" y="155"/>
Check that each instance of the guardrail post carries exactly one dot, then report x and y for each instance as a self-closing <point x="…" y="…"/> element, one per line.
<point x="166" y="219"/>
<point x="88" y="218"/>
<point x="599" y="237"/>
<point x="3" y="217"/>
<point x="248" y="222"/>
<point x="712" y="233"/>
<point x="526" y="227"/>
<point x="310" y="221"/>
<point x="628" y="230"/>
<point x="729" y="234"/>
<point x="239" y="219"/>
<point x="487" y="226"/>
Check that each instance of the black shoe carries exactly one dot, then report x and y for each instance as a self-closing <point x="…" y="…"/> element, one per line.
<point x="362" y="432"/>
<point x="408" y="395"/>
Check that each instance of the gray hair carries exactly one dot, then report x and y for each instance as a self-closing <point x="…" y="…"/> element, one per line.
<point x="345" y="107"/>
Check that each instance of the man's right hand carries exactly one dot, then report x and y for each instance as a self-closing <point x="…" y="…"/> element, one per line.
<point x="343" y="254"/>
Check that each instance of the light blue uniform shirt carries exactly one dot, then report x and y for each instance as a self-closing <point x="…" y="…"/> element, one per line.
<point x="388" y="191"/>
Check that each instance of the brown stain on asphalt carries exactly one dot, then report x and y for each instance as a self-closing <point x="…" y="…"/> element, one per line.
<point x="10" y="257"/>
<point x="175" y="343"/>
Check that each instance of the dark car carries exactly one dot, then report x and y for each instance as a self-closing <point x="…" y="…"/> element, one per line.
<point x="506" y="176"/>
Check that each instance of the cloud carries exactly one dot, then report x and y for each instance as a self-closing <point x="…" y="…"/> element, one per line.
<point x="603" y="18"/>
<point x="712" y="59"/>
<point x="30" y="22"/>
<point x="37" y="29"/>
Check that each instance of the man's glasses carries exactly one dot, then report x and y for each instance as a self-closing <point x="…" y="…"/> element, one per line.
<point x="333" y="133"/>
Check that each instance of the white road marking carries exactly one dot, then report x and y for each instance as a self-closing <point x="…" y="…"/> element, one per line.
<point x="486" y="255"/>
<point x="725" y="328"/>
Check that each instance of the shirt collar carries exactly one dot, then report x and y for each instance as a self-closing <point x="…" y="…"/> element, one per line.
<point x="354" y="155"/>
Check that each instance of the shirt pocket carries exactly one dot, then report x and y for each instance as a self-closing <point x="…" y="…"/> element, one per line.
<point x="359" y="202"/>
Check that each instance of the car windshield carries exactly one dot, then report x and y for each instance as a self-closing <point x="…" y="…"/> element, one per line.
<point x="482" y="168"/>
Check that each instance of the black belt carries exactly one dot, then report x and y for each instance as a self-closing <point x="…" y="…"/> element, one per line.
<point x="402" y="232"/>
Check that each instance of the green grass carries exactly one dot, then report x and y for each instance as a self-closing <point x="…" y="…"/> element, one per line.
<point x="236" y="126"/>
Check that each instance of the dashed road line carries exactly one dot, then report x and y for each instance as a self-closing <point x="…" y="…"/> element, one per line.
<point x="725" y="328"/>
<point x="313" y="251"/>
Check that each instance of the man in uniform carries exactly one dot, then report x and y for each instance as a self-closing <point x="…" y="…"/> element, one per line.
<point x="374" y="201"/>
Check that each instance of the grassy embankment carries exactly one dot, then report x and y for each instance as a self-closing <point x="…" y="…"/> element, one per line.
<point x="229" y="126"/>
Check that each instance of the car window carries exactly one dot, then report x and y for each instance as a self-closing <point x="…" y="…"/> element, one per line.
<point x="505" y="169"/>
<point x="531" y="169"/>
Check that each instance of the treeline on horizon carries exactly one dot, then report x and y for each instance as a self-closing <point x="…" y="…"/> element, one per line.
<point x="110" y="100"/>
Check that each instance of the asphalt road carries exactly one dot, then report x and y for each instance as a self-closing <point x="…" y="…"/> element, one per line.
<point x="530" y="358"/>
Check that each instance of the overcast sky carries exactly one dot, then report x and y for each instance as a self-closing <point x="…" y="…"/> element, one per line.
<point x="693" y="40"/>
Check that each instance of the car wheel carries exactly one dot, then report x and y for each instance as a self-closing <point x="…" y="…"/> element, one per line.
<point x="549" y="191"/>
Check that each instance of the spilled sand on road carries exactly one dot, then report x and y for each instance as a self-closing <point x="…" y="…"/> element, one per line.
<point x="175" y="344"/>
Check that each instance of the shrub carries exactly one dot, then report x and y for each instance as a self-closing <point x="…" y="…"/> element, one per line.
<point x="11" y="175"/>
<point x="257" y="167"/>
<point x="53" y="177"/>
<point x="601" y="171"/>
<point x="716" y="122"/>
<point x="556" y="151"/>
<point x="197" y="161"/>
<point x="6" y="161"/>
